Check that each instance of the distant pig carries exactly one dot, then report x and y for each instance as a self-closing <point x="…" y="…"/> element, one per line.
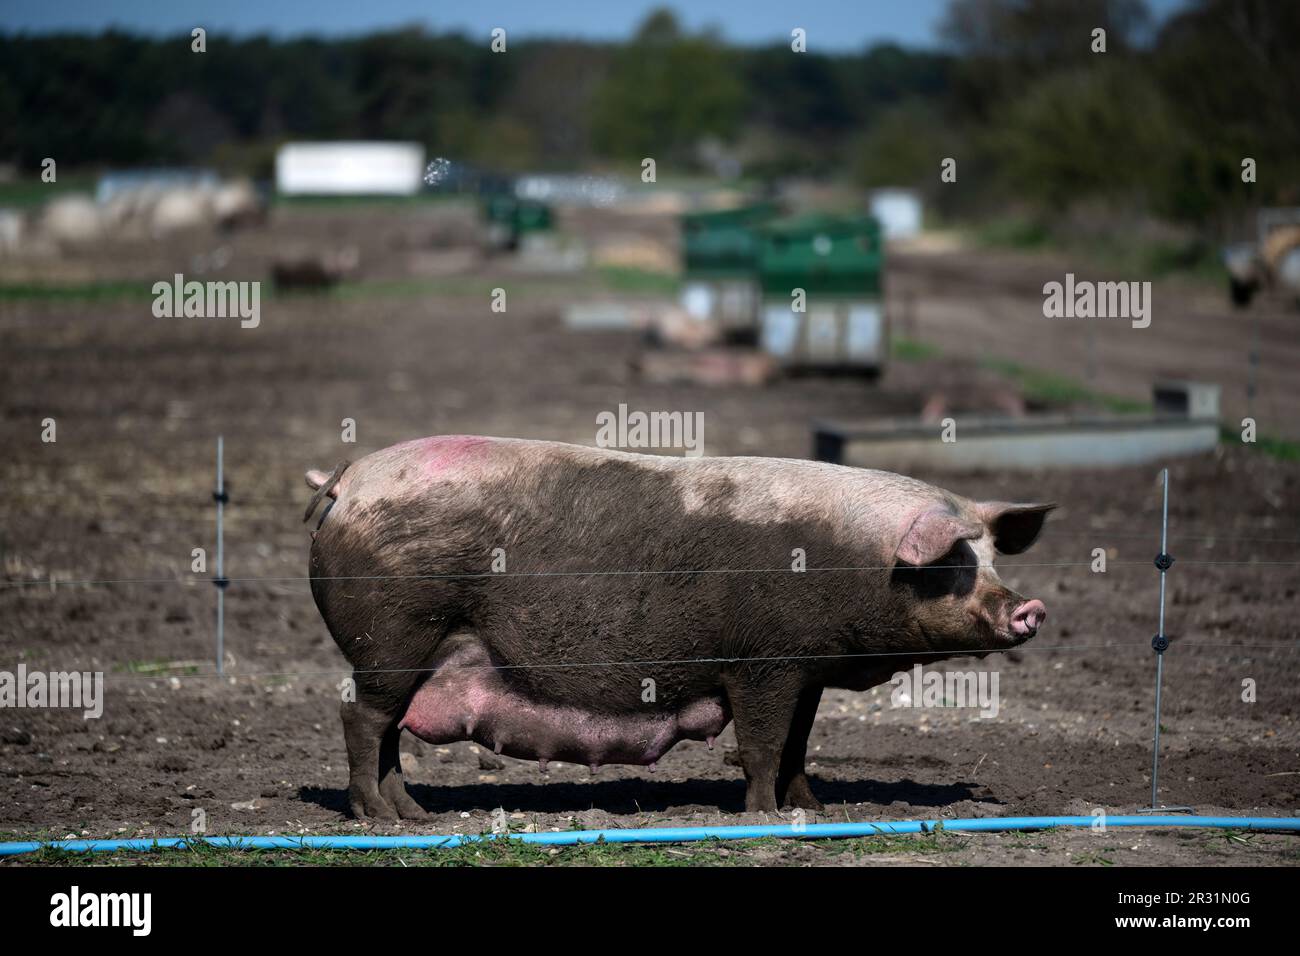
<point x="558" y="602"/>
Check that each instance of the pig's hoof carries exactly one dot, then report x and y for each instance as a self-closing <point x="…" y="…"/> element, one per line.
<point x="408" y="809"/>
<point x="394" y="792"/>
<point x="371" y="806"/>
<point x="800" y="796"/>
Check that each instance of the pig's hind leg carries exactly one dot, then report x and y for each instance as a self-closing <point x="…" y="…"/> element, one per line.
<point x="392" y="787"/>
<point x="375" y="787"/>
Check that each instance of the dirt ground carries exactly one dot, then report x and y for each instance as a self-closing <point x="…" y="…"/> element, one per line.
<point x="96" y="532"/>
<point x="992" y="303"/>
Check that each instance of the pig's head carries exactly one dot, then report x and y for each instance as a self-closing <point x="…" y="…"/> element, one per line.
<point x="944" y="565"/>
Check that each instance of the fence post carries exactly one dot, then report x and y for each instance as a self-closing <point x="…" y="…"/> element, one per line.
<point x="220" y="497"/>
<point x="1252" y="367"/>
<point x="1159" y="644"/>
<point x="1091" y="362"/>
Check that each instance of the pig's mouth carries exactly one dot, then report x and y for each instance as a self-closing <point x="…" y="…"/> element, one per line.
<point x="1018" y="624"/>
<point x="1024" y="622"/>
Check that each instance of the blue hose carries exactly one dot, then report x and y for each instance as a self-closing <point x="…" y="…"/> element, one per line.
<point x="654" y="834"/>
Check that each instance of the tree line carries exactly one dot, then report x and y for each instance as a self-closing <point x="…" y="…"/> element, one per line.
<point x="1015" y="90"/>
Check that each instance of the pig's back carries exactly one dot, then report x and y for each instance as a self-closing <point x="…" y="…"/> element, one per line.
<point x="589" y="494"/>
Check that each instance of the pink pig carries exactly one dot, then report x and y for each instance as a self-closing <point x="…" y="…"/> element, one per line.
<point x="559" y="602"/>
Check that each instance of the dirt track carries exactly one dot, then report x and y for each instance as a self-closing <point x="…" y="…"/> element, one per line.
<point x="125" y="494"/>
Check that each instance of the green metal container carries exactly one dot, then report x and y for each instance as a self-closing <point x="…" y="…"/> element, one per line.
<point x="531" y="216"/>
<point x="509" y="218"/>
<point x="720" y="267"/>
<point x="499" y="213"/>
<point x="822" y="302"/>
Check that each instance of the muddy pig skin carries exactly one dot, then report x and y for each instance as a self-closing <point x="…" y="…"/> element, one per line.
<point x="558" y="602"/>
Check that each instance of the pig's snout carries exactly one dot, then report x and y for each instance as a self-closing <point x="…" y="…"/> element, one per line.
<point x="1028" y="618"/>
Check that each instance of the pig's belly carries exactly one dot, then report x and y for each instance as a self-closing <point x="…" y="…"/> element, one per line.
<point x="466" y="699"/>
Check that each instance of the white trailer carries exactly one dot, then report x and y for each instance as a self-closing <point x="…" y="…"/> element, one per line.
<point x="349" y="169"/>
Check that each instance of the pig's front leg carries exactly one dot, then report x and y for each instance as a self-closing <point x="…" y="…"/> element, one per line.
<point x="763" y="705"/>
<point x="792" y="787"/>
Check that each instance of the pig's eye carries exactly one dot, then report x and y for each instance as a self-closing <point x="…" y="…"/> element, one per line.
<point x="953" y="574"/>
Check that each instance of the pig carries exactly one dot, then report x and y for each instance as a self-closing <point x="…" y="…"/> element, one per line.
<point x="560" y="602"/>
<point x="307" y="270"/>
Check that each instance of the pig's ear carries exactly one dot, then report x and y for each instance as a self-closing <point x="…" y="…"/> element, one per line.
<point x="1014" y="527"/>
<point x="932" y="534"/>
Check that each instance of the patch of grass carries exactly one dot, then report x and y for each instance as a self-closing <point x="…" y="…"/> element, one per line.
<point x="1152" y="258"/>
<point x="453" y="286"/>
<point x="1021" y="843"/>
<point x="486" y="853"/>
<point x="160" y="668"/>
<point x="910" y="350"/>
<point x="1091" y="859"/>
<point x="616" y="280"/>
<point x="113" y="290"/>
<point x="1038" y="386"/>
<point x="33" y="192"/>
<point x="1048" y="388"/>
<point x="1149" y="257"/>
<point x="1280" y="448"/>
<point x="1239" y="837"/>
<point x="422" y="198"/>
<point x="937" y="842"/>
<point x="511" y="853"/>
<point x="1192" y="257"/>
<point x="628" y="279"/>
<point x="1013" y="233"/>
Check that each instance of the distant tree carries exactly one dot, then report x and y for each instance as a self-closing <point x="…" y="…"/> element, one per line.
<point x="664" y="92"/>
<point x="1232" y="75"/>
<point x="807" y="94"/>
<point x="903" y="147"/>
<point x="1105" y="131"/>
<point x="1003" y="45"/>
<point x="887" y="74"/>
<point x="551" y="96"/>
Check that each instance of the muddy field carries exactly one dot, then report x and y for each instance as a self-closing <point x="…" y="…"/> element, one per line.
<point x="96" y="532"/>
<point x="993" y="305"/>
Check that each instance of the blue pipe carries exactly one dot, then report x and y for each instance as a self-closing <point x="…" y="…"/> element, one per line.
<point x="654" y="834"/>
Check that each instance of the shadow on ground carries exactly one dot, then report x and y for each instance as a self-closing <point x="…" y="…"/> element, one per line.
<point x="642" y="796"/>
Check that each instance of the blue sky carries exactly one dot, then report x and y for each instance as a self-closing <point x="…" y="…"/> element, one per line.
<point x="831" y="24"/>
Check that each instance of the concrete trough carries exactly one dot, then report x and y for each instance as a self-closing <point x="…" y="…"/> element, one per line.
<point x="1036" y="441"/>
<point x="603" y="316"/>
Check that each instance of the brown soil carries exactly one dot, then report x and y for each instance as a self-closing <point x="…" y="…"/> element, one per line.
<point x="125" y="494"/>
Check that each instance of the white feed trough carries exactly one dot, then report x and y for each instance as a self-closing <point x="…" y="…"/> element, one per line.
<point x="1185" y="423"/>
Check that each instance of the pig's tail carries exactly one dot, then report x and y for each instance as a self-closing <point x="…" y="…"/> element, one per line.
<point x="326" y="487"/>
